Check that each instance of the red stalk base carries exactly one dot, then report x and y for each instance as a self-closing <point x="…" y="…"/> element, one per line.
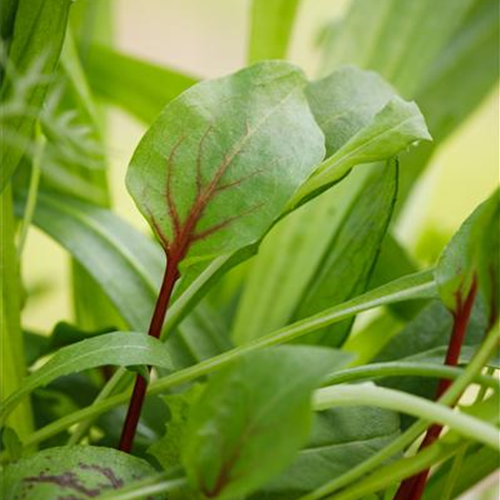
<point x="139" y="392"/>
<point x="413" y="487"/>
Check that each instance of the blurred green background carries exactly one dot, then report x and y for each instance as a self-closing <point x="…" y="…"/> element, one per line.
<point x="207" y="38"/>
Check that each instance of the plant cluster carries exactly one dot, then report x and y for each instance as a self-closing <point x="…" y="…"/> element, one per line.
<point x="220" y="358"/>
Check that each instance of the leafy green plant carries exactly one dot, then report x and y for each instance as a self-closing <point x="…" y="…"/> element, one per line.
<point x="234" y="334"/>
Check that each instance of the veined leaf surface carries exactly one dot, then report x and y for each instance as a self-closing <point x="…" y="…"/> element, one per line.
<point x="222" y="160"/>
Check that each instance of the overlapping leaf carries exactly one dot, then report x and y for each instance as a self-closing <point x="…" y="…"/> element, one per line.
<point x="220" y="163"/>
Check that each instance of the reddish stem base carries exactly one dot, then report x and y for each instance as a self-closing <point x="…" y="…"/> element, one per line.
<point x="139" y="392"/>
<point x="413" y="487"/>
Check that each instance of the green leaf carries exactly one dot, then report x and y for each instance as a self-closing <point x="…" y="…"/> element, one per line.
<point x="343" y="104"/>
<point x="167" y="450"/>
<point x="397" y="126"/>
<point x="270" y="29"/>
<point x="140" y="87"/>
<point x="252" y="419"/>
<point x="218" y="166"/>
<point x="71" y="472"/>
<point x="366" y="37"/>
<point x="39" y="30"/>
<point x="458" y="42"/>
<point x="471" y="254"/>
<point x="349" y="261"/>
<point x="116" y="348"/>
<point x="341" y="439"/>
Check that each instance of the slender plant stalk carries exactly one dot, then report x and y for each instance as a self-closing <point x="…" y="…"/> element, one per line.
<point x="32" y="190"/>
<point x="13" y="368"/>
<point x="413" y="487"/>
<point x="139" y="393"/>
<point x="456" y="466"/>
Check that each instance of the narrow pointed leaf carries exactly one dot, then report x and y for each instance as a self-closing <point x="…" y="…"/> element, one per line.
<point x="116" y="348"/>
<point x="220" y="163"/>
<point x="347" y="265"/>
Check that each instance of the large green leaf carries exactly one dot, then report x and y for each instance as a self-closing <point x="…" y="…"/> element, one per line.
<point x="270" y="29"/>
<point x="472" y="254"/>
<point x="219" y="164"/>
<point x="106" y="247"/>
<point x="349" y="261"/>
<point x="344" y="103"/>
<point x="76" y="472"/>
<point x="252" y="418"/>
<point x="39" y="30"/>
<point x="138" y="86"/>
<point x="116" y="348"/>
<point x="341" y="439"/>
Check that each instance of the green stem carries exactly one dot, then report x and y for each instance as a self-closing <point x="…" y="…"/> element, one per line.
<point x="396" y="472"/>
<point x="407" y="368"/>
<point x="32" y="190"/>
<point x="410" y="287"/>
<point x="11" y="339"/>
<point x="456" y="466"/>
<point x="381" y="397"/>
<point x="454" y="473"/>
<point x="145" y="488"/>
<point x="449" y="398"/>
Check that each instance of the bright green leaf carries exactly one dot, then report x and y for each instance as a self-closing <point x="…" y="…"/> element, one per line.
<point x="218" y="166"/>
<point x="252" y="418"/>
<point x="116" y="348"/>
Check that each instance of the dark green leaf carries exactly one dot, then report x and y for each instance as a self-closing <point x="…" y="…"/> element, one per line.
<point x="116" y="348"/>
<point x="348" y="263"/>
<point x="39" y="30"/>
<point x="472" y="254"/>
<point x="219" y="164"/>
<point x="76" y="472"/>
<point x="252" y="418"/>
<point x="138" y="86"/>
<point x="167" y="450"/>
<point x="341" y="439"/>
<point x="270" y="29"/>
